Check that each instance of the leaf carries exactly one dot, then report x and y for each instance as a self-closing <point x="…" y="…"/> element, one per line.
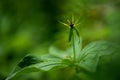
<point x="58" y="53"/>
<point x="89" y="62"/>
<point x="70" y="34"/>
<point x="90" y="55"/>
<point x="76" y="32"/>
<point x="64" y="24"/>
<point x="77" y="22"/>
<point x="28" y="60"/>
<point x="78" y="47"/>
<point x="68" y="21"/>
<point x="72" y="19"/>
<point x="45" y="65"/>
<point x="22" y="71"/>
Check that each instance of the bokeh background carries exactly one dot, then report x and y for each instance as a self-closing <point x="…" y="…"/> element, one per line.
<point x="31" y="27"/>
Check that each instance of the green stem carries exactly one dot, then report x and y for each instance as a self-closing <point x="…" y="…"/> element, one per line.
<point x="74" y="48"/>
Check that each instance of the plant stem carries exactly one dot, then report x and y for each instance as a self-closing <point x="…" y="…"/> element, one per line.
<point x="74" y="48"/>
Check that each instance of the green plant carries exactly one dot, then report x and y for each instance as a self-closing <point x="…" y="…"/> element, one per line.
<point x="75" y="56"/>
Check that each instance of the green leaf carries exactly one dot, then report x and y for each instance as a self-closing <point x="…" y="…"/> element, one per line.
<point x="90" y="55"/>
<point x="72" y="19"/>
<point x="61" y="54"/>
<point x="70" y="34"/>
<point x="78" y="47"/>
<point x="76" y="32"/>
<point x="25" y="62"/>
<point x="22" y="71"/>
<point x="28" y="60"/>
<point x="90" y="62"/>
<point x="64" y="24"/>
<point x="45" y="65"/>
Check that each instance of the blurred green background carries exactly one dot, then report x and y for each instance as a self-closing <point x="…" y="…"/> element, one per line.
<point x="31" y="27"/>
